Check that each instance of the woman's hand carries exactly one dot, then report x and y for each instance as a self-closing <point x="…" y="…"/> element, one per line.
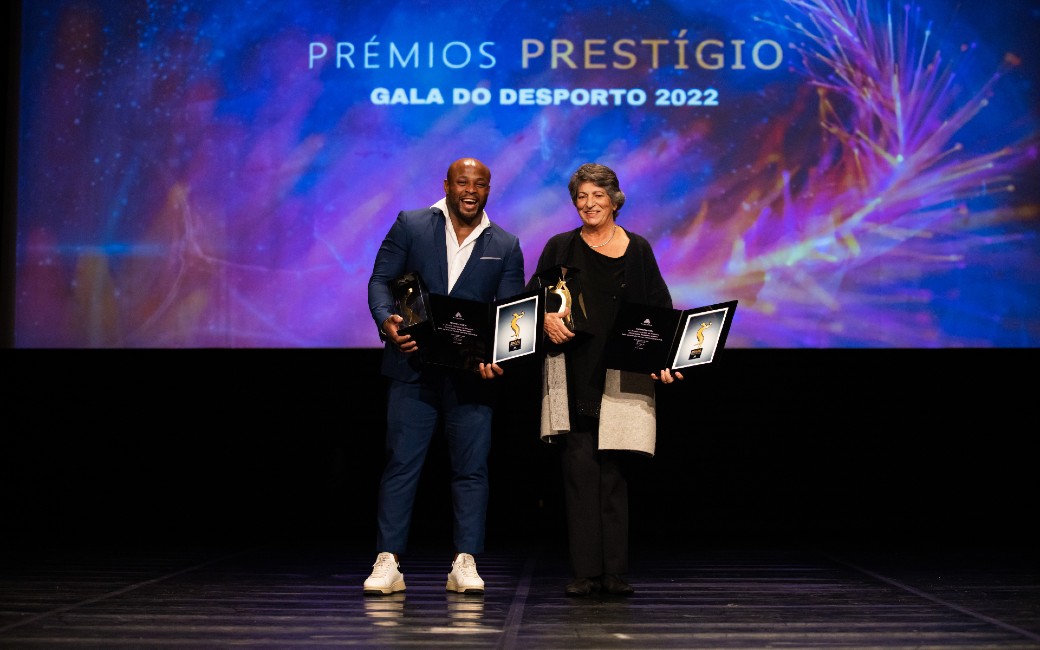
<point x="667" y="376"/>
<point x="555" y="329"/>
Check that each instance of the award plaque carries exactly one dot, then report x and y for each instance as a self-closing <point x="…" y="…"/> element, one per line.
<point x="649" y="339"/>
<point x="467" y="333"/>
<point x="562" y="289"/>
<point x="461" y="334"/>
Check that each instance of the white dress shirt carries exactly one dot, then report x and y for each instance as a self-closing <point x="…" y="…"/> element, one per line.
<point x="458" y="254"/>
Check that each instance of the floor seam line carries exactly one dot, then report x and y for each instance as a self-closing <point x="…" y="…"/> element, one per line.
<point x="935" y="599"/>
<point x="511" y="628"/>
<point x="119" y="592"/>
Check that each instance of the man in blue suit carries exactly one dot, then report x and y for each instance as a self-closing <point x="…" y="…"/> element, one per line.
<point x="457" y="251"/>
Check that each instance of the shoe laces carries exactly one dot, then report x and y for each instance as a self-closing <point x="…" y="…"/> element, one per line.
<point x="466" y="565"/>
<point x="384" y="564"/>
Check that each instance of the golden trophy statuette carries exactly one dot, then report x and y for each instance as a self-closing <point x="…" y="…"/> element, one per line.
<point x="410" y="317"/>
<point x="563" y="291"/>
<point x="410" y="299"/>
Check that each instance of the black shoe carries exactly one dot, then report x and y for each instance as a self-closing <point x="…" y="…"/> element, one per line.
<point x="614" y="585"/>
<point x="582" y="586"/>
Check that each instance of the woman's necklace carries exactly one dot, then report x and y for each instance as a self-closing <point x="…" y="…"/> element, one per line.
<point x="604" y="243"/>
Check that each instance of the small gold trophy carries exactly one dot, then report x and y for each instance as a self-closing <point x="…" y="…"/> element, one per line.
<point x="410" y="299"/>
<point x="562" y="286"/>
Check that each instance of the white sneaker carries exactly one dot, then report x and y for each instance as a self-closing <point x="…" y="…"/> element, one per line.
<point x="463" y="578"/>
<point x="386" y="576"/>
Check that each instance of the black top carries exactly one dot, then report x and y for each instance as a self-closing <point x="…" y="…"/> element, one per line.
<point x="602" y="279"/>
<point x="605" y="282"/>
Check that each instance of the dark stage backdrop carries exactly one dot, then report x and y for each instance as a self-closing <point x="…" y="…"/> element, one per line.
<point x="219" y="174"/>
<point x="201" y="188"/>
<point x="882" y="447"/>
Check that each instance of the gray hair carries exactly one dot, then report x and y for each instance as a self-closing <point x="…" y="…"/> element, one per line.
<point x="600" y="176"/>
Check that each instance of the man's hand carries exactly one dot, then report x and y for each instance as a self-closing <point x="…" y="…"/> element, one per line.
<point x="554" y="327"/>
<point x="490" y="370"/>
<point x="403" y="343"/>
<point x="666" y="376"/>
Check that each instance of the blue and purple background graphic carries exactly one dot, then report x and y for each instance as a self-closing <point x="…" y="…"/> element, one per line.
<point x="220" y="174"/>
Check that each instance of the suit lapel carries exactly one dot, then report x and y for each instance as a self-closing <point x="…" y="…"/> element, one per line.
<point x="440" y="248"/>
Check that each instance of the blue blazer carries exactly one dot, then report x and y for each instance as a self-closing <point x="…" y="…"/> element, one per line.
<point x="495" y="270"/>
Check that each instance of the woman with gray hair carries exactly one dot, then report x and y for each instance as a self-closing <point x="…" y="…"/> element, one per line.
<point x="597" y="415"/>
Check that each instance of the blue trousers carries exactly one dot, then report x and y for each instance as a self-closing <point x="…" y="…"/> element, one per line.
<point x="414" y="410"/>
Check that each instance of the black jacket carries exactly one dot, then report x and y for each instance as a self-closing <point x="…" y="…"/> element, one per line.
<point x="643" y="281"/>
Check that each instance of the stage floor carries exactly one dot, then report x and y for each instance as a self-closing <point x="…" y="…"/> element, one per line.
<point x="688" y="596"/>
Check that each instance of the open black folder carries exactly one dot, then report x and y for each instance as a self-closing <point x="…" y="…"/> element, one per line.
<point x="649" y="339"/>
<point x="458" y="333"/>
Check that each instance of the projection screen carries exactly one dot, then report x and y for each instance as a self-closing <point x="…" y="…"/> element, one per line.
<point x="216" y="174"/>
